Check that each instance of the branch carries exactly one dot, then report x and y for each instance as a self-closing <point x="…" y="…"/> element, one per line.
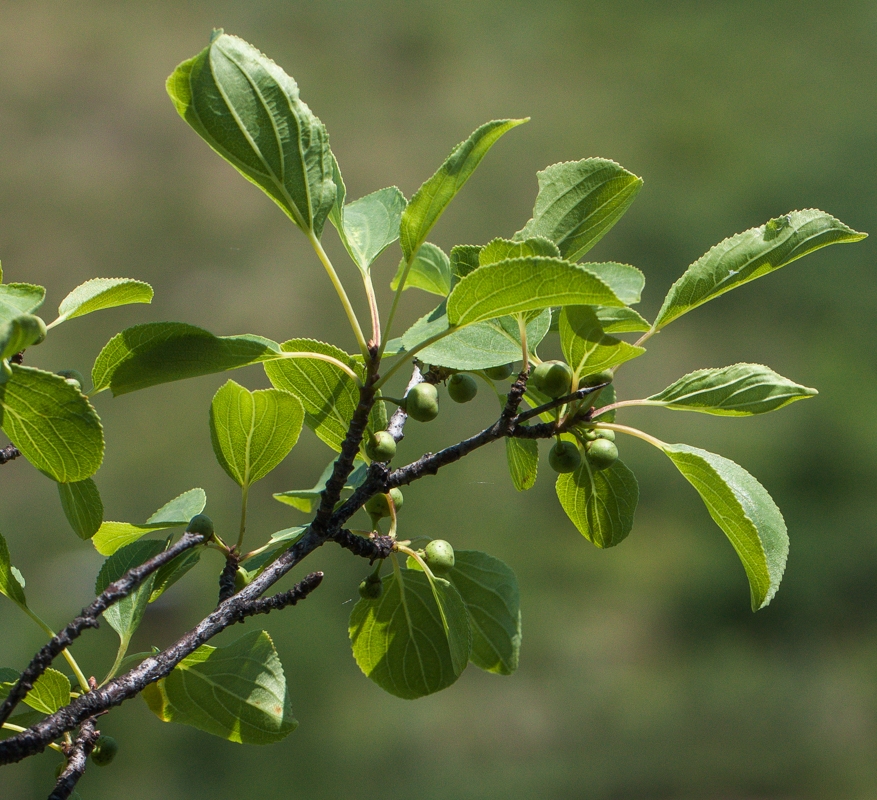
<point x="77" y="759"/>
<point x="9" y="453"/>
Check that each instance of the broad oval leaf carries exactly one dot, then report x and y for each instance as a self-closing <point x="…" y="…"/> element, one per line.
<point x="125" y="616"/>
<point x="82" y="506"/>
<point x="578" y="202"/>
<point x="100" y="293"/>
<point x="413" y="640"/>
<point x="489" y="589"/>
<point x="249" y="111"/>
<point x="237" y="692"/>
<point x="431" y="199"/>
<point x="160" y="352"/>
<point x="600" y="503"/>
<point x="744" y="510"/>
<point x="52" y="423"/>
<point x="19" y="298"/>
<point x="749" y="255"/>
<point x="503" y="249"/>
<point x="430" y="270"/>
<point x="369" y="225"/>
<point x="523" y="460"/>
<point x="50" y="692"/>
<point x="740" y="390"/>
<point x="10" y="585"/>
<point x="252" y="432"/>
<point x="586" y="347"/>
<point x="18" y="333"/>
<point x="181" y="509"/>
<point x="525" y="284"/>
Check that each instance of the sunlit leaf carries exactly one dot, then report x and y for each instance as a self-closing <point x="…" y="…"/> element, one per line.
<point x="369" y="225"/>
<point x="100" y="293"/>
<point x="19" y="298"/>
<point x="430" y="270"/>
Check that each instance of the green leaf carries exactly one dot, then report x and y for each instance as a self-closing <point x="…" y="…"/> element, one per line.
<point x="586" y="348"/>
<point x="252" y="432"/>
<point x="113" y="535"/>
<point x="600" y="503"/>
<point x="18" y="333"/>
<point x="578" y="202"/>
<point x="306" y="499"/>
<point x="236" y="692"/>
<point x="248" y="110"/>
<point x="751" y="254"/>
<point x="430" y="270"/>
<point x="10" y="585"/>
<point x="414" y="640"/>
<point x="489" y="589"/>
<point x="100" y="293"/>
<point x="622" y="320"/>
<point x="464" y="259"/>
<point x="19" y="298"/>
<point x="52" y="423"/>
<point x="82" y="507"/>
<point x="626" y="281"/>
<point x="433" y="197"/>
<point x="523" y="459"/>
<point x="605" y="397"/>
<point x="744" y="510"/>
<point x="50" y="692"/>
<point x="160" y="352"/>
<point x="486" y="344"/>
<point x="170" y="573"/>
<point x="525" y="284"/>
<point x="504" y="249"/>
<point x="740" y="390"/>
<point x="125" y="615"/>
<point x="369" y="225"/>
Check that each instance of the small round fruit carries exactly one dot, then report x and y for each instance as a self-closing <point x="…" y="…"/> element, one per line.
<point x="601" y="453"/>
<point x="499" y="373"/>
<point x="379" y="506"/>
<point x="73" y="377"/>
<point x="553" y="378"/>
<point x="605" y="433"/>
<point x="564" y="457"/>
<point x="596" y="379"/>
<point x="421" y="403"/>
<point x="41" y="328"/>
<point x="462" y="388"/>
<point x="381" y="446"/>
<point x="242" y="579"/>
<point x="105" y="750"/>
<point x="202" y="524"/>
<point x="371" y="588"/>
<point x="439" y="556"/>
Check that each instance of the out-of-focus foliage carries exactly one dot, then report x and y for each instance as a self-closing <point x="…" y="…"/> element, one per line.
<point x="660" y="682"/>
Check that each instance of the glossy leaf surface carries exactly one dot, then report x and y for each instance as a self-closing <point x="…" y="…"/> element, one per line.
<point x="82" y="507"/>
<point x="100" y="293"/>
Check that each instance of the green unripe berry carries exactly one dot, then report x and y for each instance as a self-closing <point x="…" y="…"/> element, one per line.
<point x="105" y="750"/>
<point x="421" y="403"/>
<point x="601" y="453"/>
<point x="202" y="524"/>
<point x="439" y="556"/>
<point x="596" y="379"/>
<point x="371" y="588"/>
<point x="381" y="446"/>
<point x="462" y="387"/>
<point x="604" y="433"/>
<point x="564" y="457"/>
<point x="553" y="378"/>
<point x="73" y="377"/>
<point x="242" y="579"/>
<point x="499" y="373"/>
<point x="378" y="505"/>
<point x="40" y="326"/>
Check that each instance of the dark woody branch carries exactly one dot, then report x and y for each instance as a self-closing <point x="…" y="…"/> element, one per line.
<point x="77" y="759"/>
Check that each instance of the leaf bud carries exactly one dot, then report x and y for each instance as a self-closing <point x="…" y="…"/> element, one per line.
<point x="462" y="388"/>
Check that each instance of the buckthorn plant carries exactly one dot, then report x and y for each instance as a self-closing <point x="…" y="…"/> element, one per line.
<point x="498" y="306"/>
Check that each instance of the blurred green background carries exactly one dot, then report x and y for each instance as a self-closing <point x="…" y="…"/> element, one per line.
<point x="643" y="673"/>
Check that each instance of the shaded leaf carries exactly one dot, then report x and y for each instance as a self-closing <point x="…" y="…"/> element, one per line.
<point x="430" y="270"/>
<point x="100" y="293"/>
<point x="10" y="585"/>
<point x="622" y="320"/>
<point x="237" y="692"/>
<point x="170" y="573"/>
<point x="369" y="225"/>
<point x="82" y="507"/>
<point x="523" y="459"/>
<point x="306" y="499"/>
<point x="19" y="298"/>
<point x="586" y="348"/>
<point x="464" y="258"/>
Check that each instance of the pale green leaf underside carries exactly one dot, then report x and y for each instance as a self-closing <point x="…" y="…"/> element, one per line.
<point x="181" y="509"/>
<point x="50" y="692"/>
<point x="525" y="284"/>
<point x="9" y="584"/>
<point x="600" y="503"/>
<point x="52" y="423"/>
<point x="430" y="271"/>
<point x="160" y="352"/>
<point x="744" y="510"/>
<point x="523" y="460"/>
<point x="249" y="111"/>
<point x="100" y="293"/>
<point x="252" y="432"/>
<point x="371" y="224"/>
<point x="431" y="199"/>
<point x="740" y="390"/>
<point x="626" y="281"/>
<point x="586" y="347"/>
<point x="82" y="506"/>
<point x="237" y="692"/>
<point x="578" y="202"/>
<point x="18" y="333"/>
<point x="19" y="298"/>
<point x="622" y="320"/>
<point x="400" y="642"/>
<point x="125" y="616"/>
<point x="489" y="589"/>
<point x="749" y="255"/>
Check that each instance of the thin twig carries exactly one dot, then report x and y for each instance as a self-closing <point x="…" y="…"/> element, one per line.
<point x="77" y="759"/>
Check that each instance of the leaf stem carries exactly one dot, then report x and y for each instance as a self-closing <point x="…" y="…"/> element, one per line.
<point x="120" y="657"/>
<point x="612" y="426"/>
<point x="80" y="676"/>
<point x="522" y="327"/>
<point x="372" y="307"/>
<point x="342" y="294"/>
<point x="245" y="493"/>
<point x="624" y="404"/>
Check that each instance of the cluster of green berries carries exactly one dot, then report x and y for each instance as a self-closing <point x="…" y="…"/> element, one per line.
<point x="600" y="451"/>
